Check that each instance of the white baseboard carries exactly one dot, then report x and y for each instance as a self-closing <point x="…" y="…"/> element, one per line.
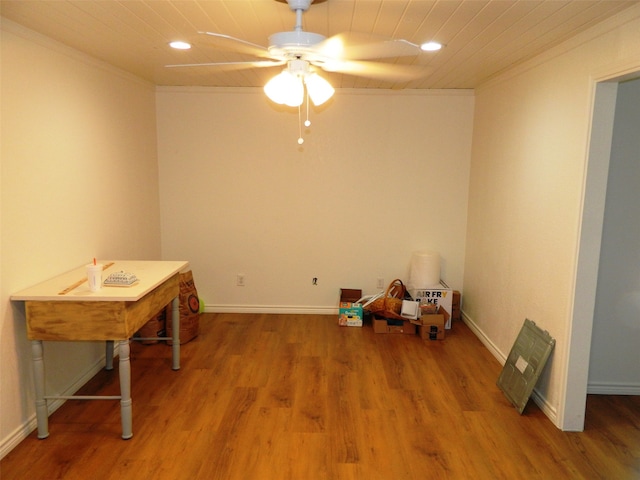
<point x="605" y="388"/>
<point x="548" y="409"/>
<point x="495" y="351"/>
<point x="282" y="309"/>
<point x="23" y="431"/>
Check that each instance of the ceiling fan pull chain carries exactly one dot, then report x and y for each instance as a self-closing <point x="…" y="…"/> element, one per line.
<point x="300" y="139"/>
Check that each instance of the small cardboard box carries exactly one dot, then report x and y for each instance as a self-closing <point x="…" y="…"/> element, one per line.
<point x="432" y="326"/>
<point x="442" y="297"/>
<point x="383" y="325"/>
<point x="350" y="313"/>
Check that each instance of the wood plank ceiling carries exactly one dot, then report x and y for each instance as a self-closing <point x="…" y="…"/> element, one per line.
<point x="482" y="38"/>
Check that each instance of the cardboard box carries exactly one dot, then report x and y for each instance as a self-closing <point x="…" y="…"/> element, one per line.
<point x="432" y="326"/>
<point x="431" y="332"/>
<point x="442" y="297"/>
<point x="382" y="325"/>
<point x="350" y="313"/>
<point x="456" y="313"/>
<point x="350" y="295"/>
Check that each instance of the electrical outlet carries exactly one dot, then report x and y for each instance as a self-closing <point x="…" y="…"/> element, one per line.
<point x="240" y="280"/>
<point x="380" y="283"/>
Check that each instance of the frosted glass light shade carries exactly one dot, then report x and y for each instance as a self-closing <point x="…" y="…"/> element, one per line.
<point x="318" y="88"/>
<point x="285" y="89"/>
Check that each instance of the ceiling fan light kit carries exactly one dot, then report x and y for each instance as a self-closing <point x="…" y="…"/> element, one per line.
<point x="319" y="89"/>
<point x="287" y="87"/>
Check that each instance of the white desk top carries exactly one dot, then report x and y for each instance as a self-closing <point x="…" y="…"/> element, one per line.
<point x="150" y="274"/>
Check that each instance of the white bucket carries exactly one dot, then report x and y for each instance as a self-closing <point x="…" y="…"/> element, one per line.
<point x="424" y="271"/>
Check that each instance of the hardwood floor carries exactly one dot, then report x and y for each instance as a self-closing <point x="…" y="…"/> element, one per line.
<point x="297" y="397"/>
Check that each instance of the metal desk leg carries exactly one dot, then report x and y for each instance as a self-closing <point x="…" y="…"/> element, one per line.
<point x="125" y="390"/>
<point x="42" y="415"/>
<point x="175" y="324"/>
<point x="108" y="364"/>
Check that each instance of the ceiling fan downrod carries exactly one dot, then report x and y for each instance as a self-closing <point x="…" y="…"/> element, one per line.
<point x="296" y="43"/>
<point x="299" y="7"/>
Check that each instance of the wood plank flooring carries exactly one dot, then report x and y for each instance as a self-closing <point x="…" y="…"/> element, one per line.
<point x="297" y="397"/>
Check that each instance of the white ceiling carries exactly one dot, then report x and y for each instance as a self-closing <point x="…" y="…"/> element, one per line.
<point x="482" y="38"/>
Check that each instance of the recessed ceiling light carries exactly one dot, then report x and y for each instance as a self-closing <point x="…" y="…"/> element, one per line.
<point x="431" y="46"/>
<point x="180" y="45"/>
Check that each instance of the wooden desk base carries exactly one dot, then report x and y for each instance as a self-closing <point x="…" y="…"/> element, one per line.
<point x="129" y="311"/>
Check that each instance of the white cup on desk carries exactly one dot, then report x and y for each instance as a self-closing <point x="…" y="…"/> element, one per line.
<point x="94" y="276"/>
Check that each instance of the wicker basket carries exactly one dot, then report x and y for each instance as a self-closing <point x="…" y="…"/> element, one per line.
<point x="390" y="304"/>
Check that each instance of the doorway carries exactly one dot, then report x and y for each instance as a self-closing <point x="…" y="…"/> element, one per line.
<point x="616" y="326"/>
<point x="572" y="408"/>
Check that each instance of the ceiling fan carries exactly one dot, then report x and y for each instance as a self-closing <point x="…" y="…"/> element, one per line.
<point x="304" y="53"/>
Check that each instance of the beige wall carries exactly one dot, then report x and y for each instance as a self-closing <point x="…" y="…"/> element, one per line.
<point x="380" y="174"/>
<point x="79" y="179"/>
<point x="529" y="162"/>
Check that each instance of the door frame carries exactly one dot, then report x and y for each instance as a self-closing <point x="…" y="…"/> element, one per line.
<point x="571" y="413"/>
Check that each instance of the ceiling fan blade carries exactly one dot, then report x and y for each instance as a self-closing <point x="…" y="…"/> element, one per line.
<point x="227" y="42"/>
<point x="232" y="65"/>
<point x="377" y="70"/>
<point x="362" y="46"/>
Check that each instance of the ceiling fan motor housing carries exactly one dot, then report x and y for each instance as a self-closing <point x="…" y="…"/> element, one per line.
<point x="295" y="44"/>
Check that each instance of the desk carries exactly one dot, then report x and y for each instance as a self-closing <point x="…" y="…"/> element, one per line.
<point x="55" y="312"/>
